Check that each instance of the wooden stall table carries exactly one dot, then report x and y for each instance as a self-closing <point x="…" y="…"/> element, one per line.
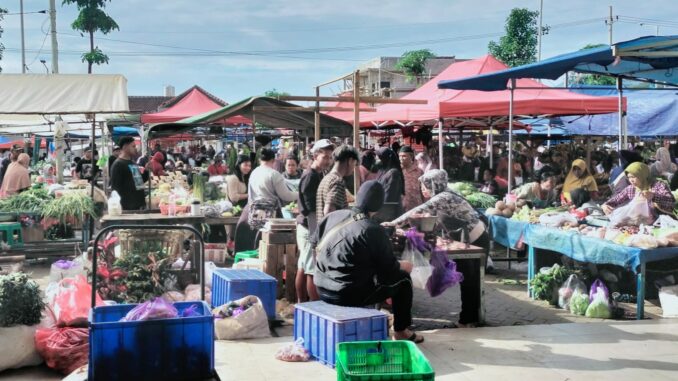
<point x="457" y="250"/>
<point x="155" y="218"/>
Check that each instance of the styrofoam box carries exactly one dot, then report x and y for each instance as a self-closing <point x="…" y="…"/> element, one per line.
<point x="324" y="325"/>
<point x="668" y="298"/>
<point x="250" y="264"/>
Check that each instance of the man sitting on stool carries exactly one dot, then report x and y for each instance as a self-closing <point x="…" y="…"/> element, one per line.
<point x="352" y="250"/>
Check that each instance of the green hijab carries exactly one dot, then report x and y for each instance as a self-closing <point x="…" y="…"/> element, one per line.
<point x="642" y="172"/>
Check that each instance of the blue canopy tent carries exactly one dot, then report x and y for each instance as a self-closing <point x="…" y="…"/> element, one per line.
<point x="650" y="59"/>
<point x="650" y="113"/>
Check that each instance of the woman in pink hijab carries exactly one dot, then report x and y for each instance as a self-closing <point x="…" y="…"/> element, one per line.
<point x="17" y="177"/>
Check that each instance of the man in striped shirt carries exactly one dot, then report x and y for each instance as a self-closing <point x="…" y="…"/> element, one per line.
<point x="332" y="189"/>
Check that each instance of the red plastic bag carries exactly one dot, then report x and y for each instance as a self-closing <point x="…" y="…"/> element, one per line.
<point x="64" y="349"/>
<point x="73" y="301"/>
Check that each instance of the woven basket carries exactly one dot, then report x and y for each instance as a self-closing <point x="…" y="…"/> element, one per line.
<point x="151" y="240"/>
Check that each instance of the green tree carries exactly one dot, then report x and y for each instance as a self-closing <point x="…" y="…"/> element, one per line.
<point x="519" y="45"/>
<point x="594" y="79"/>
<point x="413" y="63"/>
<point x="2" y="47"/>
<point x="92" y="19"/>
<point x="274" y="93"/>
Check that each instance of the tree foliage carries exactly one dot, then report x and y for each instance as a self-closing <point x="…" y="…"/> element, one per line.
<point x="2" y="47"/>
<point x="274" y="93"/>
<point x="593" y="79"/>
<point x="519" y="45"/>
<point x="90" y="20"/>
<point x="413" y="63"/>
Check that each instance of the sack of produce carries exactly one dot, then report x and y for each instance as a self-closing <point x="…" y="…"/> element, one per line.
<point x="599" y="307"/>
<point x="241" y="319"/>
<point x="444" y="276"/>
<point x="570" y="286"/>
<point x="634" y="213"/>
<point x="73" y="301"/>
<point x="18" y="347"/>
<point x="64" y="349"/>
<point x="414" y="252"/>
<point x="579" y="302"/>
<point x="598" y="286"/>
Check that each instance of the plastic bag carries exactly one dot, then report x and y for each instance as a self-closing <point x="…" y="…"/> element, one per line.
<point x="18" y="347"/>
<point x="599" y="307"/>
<point x="72" y="301"/>
<point x="114" y="205"/>
<point x="192" y="293"/>
<point x="572" y="284"/>
<point x="64" y="349"/>
<point x="666" y="222"/>
<point x="579" y="302"/>
<point x="598" y="285"/>
<point x="414" y="249"/>
<point x="557" y="219"/>
<point x="293" y="352"/>
<point x="241" y="323"/>
<point x="444" y="276"/>
<point x="156" y="308"/>
<point x="634" y="213"/>
<point x="62" y="269"/>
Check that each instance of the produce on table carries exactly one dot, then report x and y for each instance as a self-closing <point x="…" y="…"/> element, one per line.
<point x="70" y="207"/>
<point x="198" y="187"/>
<point x="236" y="211"/>
<point x="30" y="201"/>
<point x="502" y="208"/>
<point x="20" y="300"/>
<point x="476" y="198"/>
<point x="463" y="188"/>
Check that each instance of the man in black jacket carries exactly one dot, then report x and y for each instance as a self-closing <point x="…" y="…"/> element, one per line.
<point x="127" y="178"/>
<point x="351" y="250"/>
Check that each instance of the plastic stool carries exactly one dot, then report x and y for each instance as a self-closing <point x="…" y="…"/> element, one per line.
<point x="8" y="229"/>
<point x="239" y="256"/>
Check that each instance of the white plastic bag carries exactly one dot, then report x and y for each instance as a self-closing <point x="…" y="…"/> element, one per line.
<point x="557" y="219"/>
<point x="421" y="268"/>
<point x="634" y="213"/>
<point x="570" y="286"/>
<point x="599" y="307"/>
<point x="17" y="347"/>
<point x="250" y="324"/>
<point x="293" y="352"/>
<point x="114" y="205"/>
<point x="666" y="222"/>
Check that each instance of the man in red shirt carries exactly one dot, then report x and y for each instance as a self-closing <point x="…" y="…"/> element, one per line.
<point x="216" y="168"/>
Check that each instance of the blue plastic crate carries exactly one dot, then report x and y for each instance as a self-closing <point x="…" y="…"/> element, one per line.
<point x="163" y="349"/>
<point x="230" y="284"/>
<point x="324" y="325"/>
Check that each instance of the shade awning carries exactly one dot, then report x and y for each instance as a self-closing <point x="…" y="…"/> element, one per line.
<point x="650" y="58"/>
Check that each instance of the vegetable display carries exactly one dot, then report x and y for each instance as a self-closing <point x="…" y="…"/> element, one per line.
<point x="70" y="207"/>
<point x="547" y="280"/>
<point x="20" y="300"/>
<point x="199" y="187"/>
<point x="30" y="201"/>
<point x="502" y="208"/>
<point x="476" y="198"/>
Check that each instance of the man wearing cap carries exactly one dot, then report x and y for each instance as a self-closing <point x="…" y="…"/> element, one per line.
<point x="355" y="262"/>
<point x="85" y="170"/>
<point x="116" y="152"/>
<point x="127" y="178"/>
<point x="307" y="219"/>
<point x="412" y="173"/>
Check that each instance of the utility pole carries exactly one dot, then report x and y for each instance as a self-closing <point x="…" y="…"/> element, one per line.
<point x="23" y="45"/>
<point x="541" y="30"/>
<point x="609" y="23"/>
<point x="55" y="46"/>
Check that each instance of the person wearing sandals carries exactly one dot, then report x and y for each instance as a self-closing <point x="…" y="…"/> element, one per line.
<point x="454" y="212"/>
<point x="352" y="251"/>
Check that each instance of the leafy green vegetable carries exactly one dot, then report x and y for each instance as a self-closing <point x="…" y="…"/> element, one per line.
<point x="579" y="303"/>
<point x="599" y="307"/>
<point x="463" y="188"/>
<point x="73" y="206"/>
<point x="545" y="282"/>
<point x="20" y="300"/>
<point x="147" y="271"/>
<point x="30" y="201"/>
<point x="481" y="200"/>
<point x="199" y="187"/>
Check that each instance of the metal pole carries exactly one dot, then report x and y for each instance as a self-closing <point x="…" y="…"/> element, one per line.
<point x="55" y="45"/>
<point x="441" y="124"/>
<point x="510" y="138"/>
<point x="491" y="146"/>
<point x="548" y="142"/>
<point x="621" y="112"/>
<point x="356" y="126"/>
<point x="540" y="32"/>
<point x="23" y="45"/>
<point x="610" y="21"/>
<point x="317" y="114"/>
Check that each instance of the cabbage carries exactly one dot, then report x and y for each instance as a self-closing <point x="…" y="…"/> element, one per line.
<point x="579" y="303"/>
<point x="599" y="307"/>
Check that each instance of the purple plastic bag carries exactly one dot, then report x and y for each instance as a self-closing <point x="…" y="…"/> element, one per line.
<point x="445" y="274"/>
<point x="598" y="284"/>
<point x="64" y="264"/>
<point x="417" y="241"/>
<point x="190" y="311"/>
<point x="156" y="308"/>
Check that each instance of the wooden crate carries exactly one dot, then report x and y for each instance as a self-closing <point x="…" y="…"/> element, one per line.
<point x="279" y="237"/>
<point x="279" y="259"/>
<point x="33" y="233"/>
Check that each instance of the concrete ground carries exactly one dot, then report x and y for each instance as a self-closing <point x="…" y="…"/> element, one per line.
<point x="524" y="339"/>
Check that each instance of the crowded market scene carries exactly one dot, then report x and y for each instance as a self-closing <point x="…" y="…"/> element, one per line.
<point x="490" y="213"/>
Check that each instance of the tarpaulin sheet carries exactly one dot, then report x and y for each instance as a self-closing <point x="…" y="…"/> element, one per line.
<point x="507" y="232"/>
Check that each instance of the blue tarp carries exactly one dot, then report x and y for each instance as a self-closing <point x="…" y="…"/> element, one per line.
<point x="507" y="232"/>
<point x="600" y="60"/>
<point x="649" y="113"/>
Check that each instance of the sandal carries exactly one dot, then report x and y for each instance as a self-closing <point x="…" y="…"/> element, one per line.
<point x="415" y="338"/>
<point x="462" y="325"/>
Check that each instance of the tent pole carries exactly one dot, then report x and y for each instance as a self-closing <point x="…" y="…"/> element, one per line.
<point x="440" y="143"/>
<point x="254" y="140"/>
<point x="490" y="146"/>
<point x="356" y="126"/>
<point x="621" y="113"/>
<point x="548" y="142"/>
<point x="510" y="138"/>
<point x="317" y="115"/>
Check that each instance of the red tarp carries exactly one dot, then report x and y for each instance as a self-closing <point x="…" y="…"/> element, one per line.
<point x="443" y="103"/>
<point x="194" y="103"/>
<point x="20" y="143"/>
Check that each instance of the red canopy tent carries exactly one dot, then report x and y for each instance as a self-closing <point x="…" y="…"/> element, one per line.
<point x="191" y="102"/>
<point x="468" y="108"/>
<point x="20" y="143"/>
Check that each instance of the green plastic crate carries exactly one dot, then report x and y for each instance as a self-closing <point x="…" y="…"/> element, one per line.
<point x="239" y="256"/>
<point x="382" y="360"/>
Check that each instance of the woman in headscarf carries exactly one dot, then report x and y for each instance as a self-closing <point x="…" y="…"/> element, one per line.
<point x="454" y="212"/>
<point x="156" y="164"/>
<point x="663" y="167"/>
<point x="17" y="178"/>
<point x="367" y="161"/>
<point x="390" y="176"/>
<point x="424" y="162"/>
<point x="657" y="193"/>
<point x="579" y="177"/>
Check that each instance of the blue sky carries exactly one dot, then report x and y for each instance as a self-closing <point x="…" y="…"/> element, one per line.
<point x="235" y="49"/>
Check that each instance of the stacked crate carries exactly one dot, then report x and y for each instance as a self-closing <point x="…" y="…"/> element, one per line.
<point x="278" y="252"/>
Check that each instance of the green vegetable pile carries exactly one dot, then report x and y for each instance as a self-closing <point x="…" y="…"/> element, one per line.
<point x="211" y="192"/>
<point x="463" y="188"/>
<point x="70" y="207"/>
<point x="579" y="303"/>
<point x="472" y="195"/>
<point x="30" y="201"/>
<point x="546" y="281"/>
<point x="199" y="187"/>
<point x="20" y="300"/>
